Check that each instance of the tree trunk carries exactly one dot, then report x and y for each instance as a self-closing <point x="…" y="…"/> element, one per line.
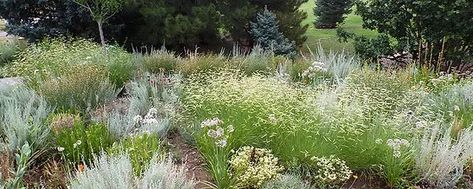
<point x="102" y="37"/>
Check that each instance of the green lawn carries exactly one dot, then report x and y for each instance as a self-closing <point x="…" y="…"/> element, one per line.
<point x="327" y="38"/>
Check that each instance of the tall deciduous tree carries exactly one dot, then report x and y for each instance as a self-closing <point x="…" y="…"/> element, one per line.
<point x="330" y="13"/>
<point x="101" y="11"/>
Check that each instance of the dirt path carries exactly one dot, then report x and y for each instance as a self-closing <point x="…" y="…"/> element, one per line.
<point x="194" y="162"/>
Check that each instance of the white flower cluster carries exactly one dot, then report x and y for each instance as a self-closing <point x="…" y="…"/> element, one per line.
<point x="313" y="69"/>
<point x="151" y="118"/>
<point x="216" y="132"/>
<point x="254" y="166"/>
<point x="396" y="145"/>
<point x="329" y="170"/>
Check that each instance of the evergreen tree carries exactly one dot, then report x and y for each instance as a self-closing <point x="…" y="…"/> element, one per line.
<point x="265" y="32"/>
<point x="330" y="13"/>
<point x="238" y="14"/>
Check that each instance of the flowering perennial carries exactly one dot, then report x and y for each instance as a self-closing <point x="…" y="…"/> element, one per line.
<point x="252" y="167"/>
<point x="329" y="170"/>
<point x="215" y="130"/>
<point x="396" y="145"/>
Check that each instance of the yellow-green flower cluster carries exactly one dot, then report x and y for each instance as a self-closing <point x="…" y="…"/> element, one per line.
<point x="252" y="166"/>
<point x="329" y="170"/>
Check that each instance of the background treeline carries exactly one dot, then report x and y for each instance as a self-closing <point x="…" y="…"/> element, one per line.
<point x="177" y="24"/>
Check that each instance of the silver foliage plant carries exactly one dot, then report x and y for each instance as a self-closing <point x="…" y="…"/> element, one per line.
<point x="147" y="94"/>
<point x="441" y="159"/>
<point x="22" y="119"/>
<point x="117" y="172"/>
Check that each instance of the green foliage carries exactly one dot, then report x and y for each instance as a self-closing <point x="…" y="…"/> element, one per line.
<point x="177" y="24"/>
<point x="258" y="61"/>
<point x="237" y="15"/>
<point x="79" y="90"/>
<point x="22" y="159"/>
<point x="252" y="167"/>
<point x="298" y="122"/>
<point x="141" y="149"/>
<point x="8" y="51"/>
<point x="101" y="10"/>
<point x="53" y="58"/>
<point x="422" y="28"/>
<point x="202" y="64"/>
<point x="37" y="19"/>
<point x="265" y="32"/>
<point x="81" y="142"/>
<point x="329" y="171"/>
<point x="160" y="61"/>
<point x="369" y="48"/>
<point x="330" y="13"/>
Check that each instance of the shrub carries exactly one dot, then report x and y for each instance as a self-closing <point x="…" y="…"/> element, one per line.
<point x="258" y="61"/>
<point x="80" y="90"/>
<point x="328" y="171"/>
<point x="150" y="123"/>
<point x="8" y="52"/>
<point x="452" y="104"/>
<point x="80" y="143"/>
<point x="63" y="121"/>
<point x="120" y="72"/>
<point x="252" y="167"/>
<point x="105" y="172"/>
<point x="160" y="61"/>
<point x="117" y="172"/>
<point x="22" y="120"/>
<point x="201" y="64"/>
<point x="165" y="175"/>
<point x="53" y="57"/>
<point x="141" y="149"/>
<point x="440" y="160"/>
<point x="286" y="181"/>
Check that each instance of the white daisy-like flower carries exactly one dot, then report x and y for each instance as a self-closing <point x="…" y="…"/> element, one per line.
<point x="60" y="149"/>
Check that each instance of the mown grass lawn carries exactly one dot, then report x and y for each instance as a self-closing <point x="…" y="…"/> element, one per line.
<point x="327" y="38"/>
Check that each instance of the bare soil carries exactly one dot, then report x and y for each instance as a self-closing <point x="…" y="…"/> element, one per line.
<point x="191" y="158"/>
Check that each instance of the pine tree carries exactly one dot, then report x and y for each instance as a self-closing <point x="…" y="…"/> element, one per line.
<point x="265" y="32"/>
<point x="330" y="13"/>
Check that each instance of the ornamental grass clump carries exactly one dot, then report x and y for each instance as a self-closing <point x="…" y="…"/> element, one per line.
<point x="80" y="89"/>
<point x="141" y="149"/>
<point x="252" y="167"/>
<point x="53" y="57"/>
<point x="328" y="171"/>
